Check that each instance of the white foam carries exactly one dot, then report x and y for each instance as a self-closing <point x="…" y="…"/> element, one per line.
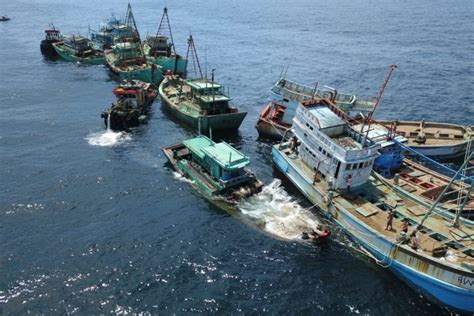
<point x="180" y="177"/>
<point x="108" y="138"/>
<point x="274" y="211"/>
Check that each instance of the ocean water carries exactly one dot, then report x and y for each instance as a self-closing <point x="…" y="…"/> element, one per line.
<point x="96" y="222"/>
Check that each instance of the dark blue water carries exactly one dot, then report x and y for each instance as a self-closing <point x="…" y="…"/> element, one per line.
<point x="110" y="229"/>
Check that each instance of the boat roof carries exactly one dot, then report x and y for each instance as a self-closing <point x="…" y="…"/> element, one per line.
<point x="379" y="134"/>
<point x="226" y="156"/>
<point x="203" y="84"/>
<point x="214" y="98"/>
<point x="325" y="116"/>
<point x="197" y="144"/>
<point x="222" y="153"/>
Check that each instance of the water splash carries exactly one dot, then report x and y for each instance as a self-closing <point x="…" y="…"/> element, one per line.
<point x="180" y="177"/>
<point x="109" y="137"/>
<point x="274" y="211"/>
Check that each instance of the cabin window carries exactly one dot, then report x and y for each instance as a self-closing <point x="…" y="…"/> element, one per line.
<point x="320" y="149"/>
<point x="354" y="166"/>
<point x="311" y="128"/>
<point x="305" y="135"/>
<point x="361" y="165"/>
<point x="348" y="166"/>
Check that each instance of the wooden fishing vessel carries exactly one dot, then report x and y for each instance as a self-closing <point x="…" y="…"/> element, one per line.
<point x="115" y="31"/>
<point x="277" y="116"/>
<point x="200" y="103"/>
<point x="126" y="59"/>
<point x="160" y="50"/>
<point x="76" y="48"/>
<point x="217" y="170"/>
<point x="52" y="36"/>
<point x="443" y="141"/>
<point x="131" y="108"/>
<point x="332" y="166"/>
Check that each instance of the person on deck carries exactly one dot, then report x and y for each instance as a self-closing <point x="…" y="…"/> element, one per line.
<point x="414" y="242"/>
<point x="389" y="220"/>
<point x="348" y="183"/>
<point x="316" y="175"/>
<point x="404" y="227"/>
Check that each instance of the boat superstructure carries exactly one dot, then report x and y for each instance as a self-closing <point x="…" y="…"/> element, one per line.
<point x="332" y="165"/>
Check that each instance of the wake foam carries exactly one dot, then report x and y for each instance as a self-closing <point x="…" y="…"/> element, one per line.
<point x="108" y="138"/>
<point x="274" y="211"/>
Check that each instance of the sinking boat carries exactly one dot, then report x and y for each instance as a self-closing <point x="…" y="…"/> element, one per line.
<point x="442" y="141"/>
<point x="332" y="165"/>
<point x="217" y="170"/>
<point x="200" y="103"/>
<point x="131" y="108"/>
<point x="52" y="36"/>
<point x="160" y="50"/>
<point x="277" y="116"/>
<point x="76" y="48"/>
<point x="4" y="18"/>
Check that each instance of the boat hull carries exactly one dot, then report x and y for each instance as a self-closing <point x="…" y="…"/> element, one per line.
<point x="270" y="131"/>
<point x="451" y="287"/>
<point x="47" y="49"/>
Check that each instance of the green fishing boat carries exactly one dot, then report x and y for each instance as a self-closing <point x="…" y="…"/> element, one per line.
<point x="217" y="170"/>
<point x="200" y="102"/>
<point x="126" y="62"/>
<point x="160" y="50"/>
<point x="126" y="59"/>
<point x="76" y="48"/>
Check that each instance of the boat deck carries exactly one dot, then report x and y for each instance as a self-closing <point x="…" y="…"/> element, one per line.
<point x="178" y="94"/>
<point x="370" y="204"/>
<point x="437" y="134"/>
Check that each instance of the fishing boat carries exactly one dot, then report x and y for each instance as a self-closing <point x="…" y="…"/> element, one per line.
<point x="134" y="99"/>
<point x="159" y="49"/>
<point x="76" y="48"/>
<point x="217" y="170"/>
<point x="286" y="95"/>
<point x="200" y="103"/>
<point x="442" y="141"/>
<point x="115" y="30"/>
<point x="4" y="18"/>
<point x="126" y="59"/>
<point x="52" y="36"/>
<point x="332" y="165"/>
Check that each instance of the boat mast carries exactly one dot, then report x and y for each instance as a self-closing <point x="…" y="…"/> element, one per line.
<point x="368" y="120"/>
<point x="165" y="21"/>
<point x="130" y="20"/>
<point x="194" y="56"/>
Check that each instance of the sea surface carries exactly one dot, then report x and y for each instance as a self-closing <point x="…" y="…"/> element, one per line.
<point x="96" y="222"/>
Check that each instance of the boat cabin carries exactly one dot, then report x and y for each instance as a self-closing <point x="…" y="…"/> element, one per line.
<point x="331" y="147"/>
<point x="225" y="164"/>
<point x="77" y="42"/>
<point x="159" y="45"/>
<point x="131" y="94"/>
<point x="209" y="96"/>
<point x="52" y="35"/>
<point x="127" y="50"/>
<point x="391" y="153"/>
